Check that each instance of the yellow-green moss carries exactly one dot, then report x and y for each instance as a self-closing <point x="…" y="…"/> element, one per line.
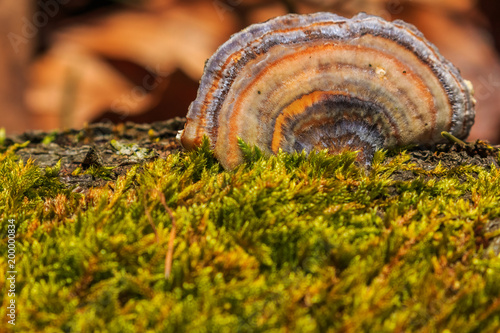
<point x="292" y="243"/>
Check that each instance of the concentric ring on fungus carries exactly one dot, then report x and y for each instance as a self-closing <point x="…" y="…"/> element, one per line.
<point x="321" y="81"/>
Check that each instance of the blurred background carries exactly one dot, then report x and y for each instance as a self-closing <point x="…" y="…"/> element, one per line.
<point x="64" y="63"/>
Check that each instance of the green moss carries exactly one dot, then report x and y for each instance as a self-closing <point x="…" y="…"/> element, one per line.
<point x="2" y="136"/>
<point x="49" y="138"/>
<point x="302" y="243"/>
<point x="101" y="172"/>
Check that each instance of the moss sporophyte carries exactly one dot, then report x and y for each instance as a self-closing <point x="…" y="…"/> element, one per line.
<point x="293" y="242"/>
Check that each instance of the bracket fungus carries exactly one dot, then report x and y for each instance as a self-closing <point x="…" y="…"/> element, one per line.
<point x="322" y="81"/>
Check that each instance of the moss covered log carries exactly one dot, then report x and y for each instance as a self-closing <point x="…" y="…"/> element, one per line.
<point x="291" y="243"/>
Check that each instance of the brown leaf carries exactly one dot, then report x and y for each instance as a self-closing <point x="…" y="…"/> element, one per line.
<point x="69" y="86"/>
